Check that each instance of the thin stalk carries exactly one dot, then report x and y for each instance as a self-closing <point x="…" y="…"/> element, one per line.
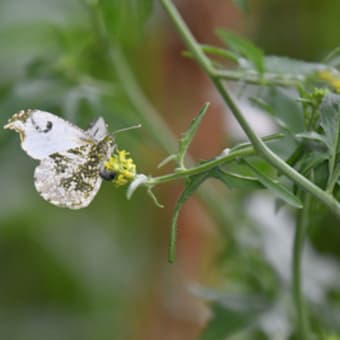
<point x="258" y="144"/>
<point x="183" y="173"/>
<point x="299" y="237"/>
<point x="266" y="79"/>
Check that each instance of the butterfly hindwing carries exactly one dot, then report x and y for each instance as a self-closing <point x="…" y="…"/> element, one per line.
<point x="71" y="178"/>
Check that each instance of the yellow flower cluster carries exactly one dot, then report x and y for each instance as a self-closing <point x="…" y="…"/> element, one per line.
<point x="123" y="166"/>
<point x="331" y="78"/>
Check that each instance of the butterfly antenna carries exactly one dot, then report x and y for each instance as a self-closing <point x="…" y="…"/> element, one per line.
<point x="137" y="126"/>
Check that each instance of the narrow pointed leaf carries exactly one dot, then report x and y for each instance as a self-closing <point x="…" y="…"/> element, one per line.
<point x="313" y="136"/>
<point x="189" y="135"/>
<point x="244" y="48"/>
<point x="233" y="180"/>
<point x="276" y="188"/>
<point x="192" y="184"/>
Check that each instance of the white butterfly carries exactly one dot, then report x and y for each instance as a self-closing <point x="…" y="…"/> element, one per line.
<point x="71" y="159"/>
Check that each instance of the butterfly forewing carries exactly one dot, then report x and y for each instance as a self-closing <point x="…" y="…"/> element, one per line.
<point x="43" y="133"/>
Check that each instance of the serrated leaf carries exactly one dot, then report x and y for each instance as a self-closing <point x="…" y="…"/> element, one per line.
<point x="187" y="137"/>
<point x="191" y="186"/>
<point x="244" y="48"/>
<point x="276" y="188"/>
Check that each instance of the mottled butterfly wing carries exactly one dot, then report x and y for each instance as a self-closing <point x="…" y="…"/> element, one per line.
<point x="71" y="178"/>
<point x="43" y="133"/>
<point x="70" y="158"/>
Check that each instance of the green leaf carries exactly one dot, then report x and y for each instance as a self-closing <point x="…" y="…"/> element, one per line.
<point x="312" y="160"/>
<point x="312" y="136"/>
<point x="330" y="121"/>
<point x="244" y="48"/>
<point x="288" y="66"/>
<point x="191" y="186"/>
<point x="187" y="137"/>
<point x="276" y="188"/>
<point x="219" y="52"/>
<point x="234" y="180"/>
<point x="283" y="108"/>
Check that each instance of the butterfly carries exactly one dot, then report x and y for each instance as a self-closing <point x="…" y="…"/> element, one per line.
<point x="72" y="160"/>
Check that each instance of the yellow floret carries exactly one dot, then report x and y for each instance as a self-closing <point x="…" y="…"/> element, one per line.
<point x="331" y="78"/>
<point x="123" y="166"/>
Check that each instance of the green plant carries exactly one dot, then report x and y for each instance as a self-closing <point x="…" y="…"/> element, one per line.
<point x="313" y="165"/>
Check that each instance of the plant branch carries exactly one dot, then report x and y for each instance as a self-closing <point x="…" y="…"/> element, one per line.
<point x="228" y="156"/>
<point x="183" y="173"/>
<point x="299" y="237"/>
<point x="267" y="79"/>
<point x="258" y="144"/>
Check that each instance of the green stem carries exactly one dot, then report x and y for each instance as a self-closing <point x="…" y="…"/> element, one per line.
<point x="258" y="144"/>
<point x="300" y="232"/>
<point x="244" y="152"/>
<point x="267" y="79"/>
